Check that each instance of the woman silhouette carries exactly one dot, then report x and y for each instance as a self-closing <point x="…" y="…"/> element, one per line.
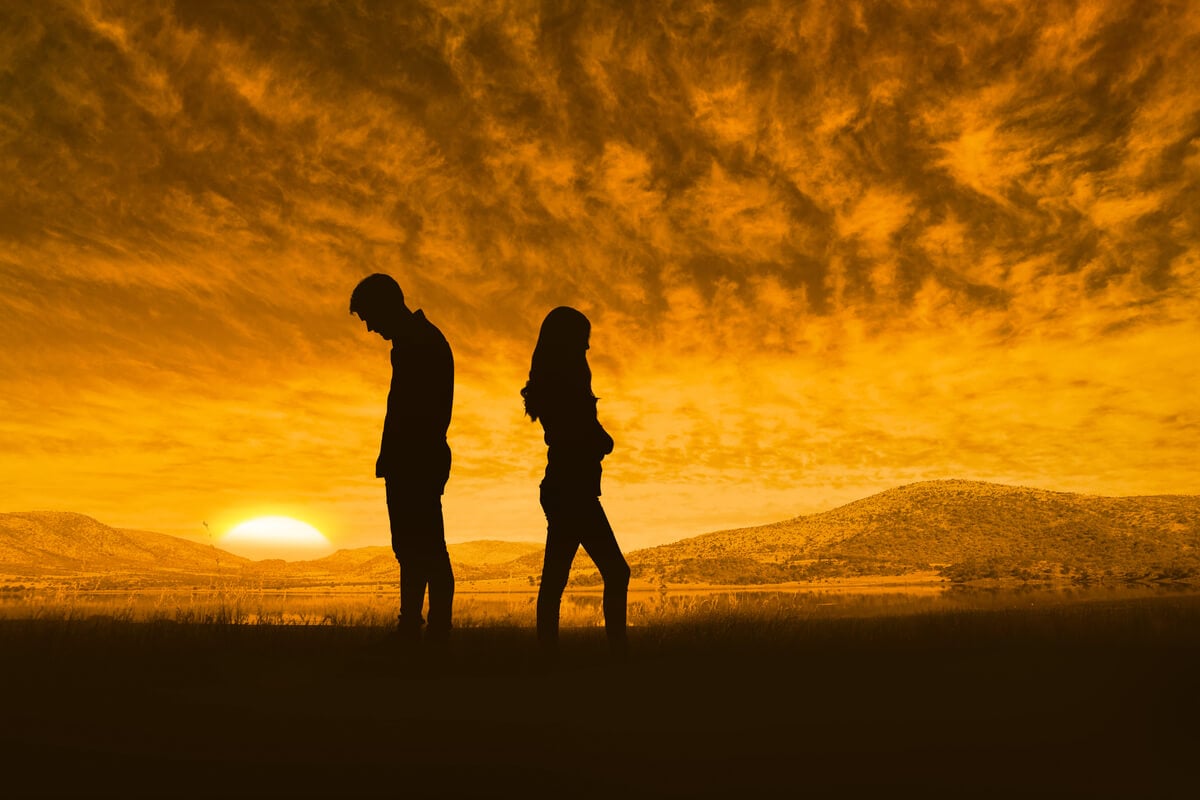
<point x="559" y="393"/>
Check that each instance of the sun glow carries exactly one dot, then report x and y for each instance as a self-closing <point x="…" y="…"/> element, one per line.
<point x="276" y="537"/>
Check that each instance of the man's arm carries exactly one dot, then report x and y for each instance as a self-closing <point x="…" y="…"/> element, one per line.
<point x="388" y="440"/>
<point x="420" y="403"/>
<point x="441" y="381"/>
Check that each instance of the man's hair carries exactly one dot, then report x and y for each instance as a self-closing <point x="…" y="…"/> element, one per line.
<point x="376" y="291"/>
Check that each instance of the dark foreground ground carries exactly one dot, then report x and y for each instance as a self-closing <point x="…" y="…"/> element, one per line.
<point x="1090" y="699"/>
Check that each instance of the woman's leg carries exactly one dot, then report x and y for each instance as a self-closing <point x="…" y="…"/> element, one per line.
<point x="561" y="544"/>
<point x="596" y="536"/>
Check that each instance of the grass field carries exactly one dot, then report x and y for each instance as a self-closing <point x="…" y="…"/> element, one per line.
<point x="1089" y="698"/>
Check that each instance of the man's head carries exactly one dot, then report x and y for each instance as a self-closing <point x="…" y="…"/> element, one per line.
<point x="379" y="302"/>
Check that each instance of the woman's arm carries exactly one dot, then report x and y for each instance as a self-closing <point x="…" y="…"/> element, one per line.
<point x="574" y="427"/>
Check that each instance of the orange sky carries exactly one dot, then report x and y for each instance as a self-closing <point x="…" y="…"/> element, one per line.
<point x="825" y="251"/>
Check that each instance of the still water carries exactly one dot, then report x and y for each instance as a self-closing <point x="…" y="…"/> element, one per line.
<point x="580" y="608"/>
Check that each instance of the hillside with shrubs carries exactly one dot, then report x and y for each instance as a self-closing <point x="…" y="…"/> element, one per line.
<point x="962" y="530"/>
<point x="958" y="531"/>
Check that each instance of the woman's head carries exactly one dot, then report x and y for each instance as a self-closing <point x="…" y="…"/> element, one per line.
<point x="564" y="334"/>
<point x="559" y="367"/>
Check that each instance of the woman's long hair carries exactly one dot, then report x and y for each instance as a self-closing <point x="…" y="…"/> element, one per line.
<point x="559" y="369"/>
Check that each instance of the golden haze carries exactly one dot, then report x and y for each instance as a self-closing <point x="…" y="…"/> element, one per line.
<point x="826" y="250"/>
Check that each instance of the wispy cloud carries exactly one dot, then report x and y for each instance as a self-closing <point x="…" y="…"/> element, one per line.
<point x="825" y="248"/>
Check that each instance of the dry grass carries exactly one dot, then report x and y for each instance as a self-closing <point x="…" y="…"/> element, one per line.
<point x="1077" y="696"/>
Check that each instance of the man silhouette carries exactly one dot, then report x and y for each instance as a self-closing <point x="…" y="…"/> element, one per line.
<point x="414" y="457"/>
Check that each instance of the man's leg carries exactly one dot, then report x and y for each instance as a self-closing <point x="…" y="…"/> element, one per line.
<point x="438" y="571"/>
<point x="405" y="522"/>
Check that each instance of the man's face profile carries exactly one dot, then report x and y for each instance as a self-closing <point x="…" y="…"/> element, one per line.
<point x="376" y="322"/>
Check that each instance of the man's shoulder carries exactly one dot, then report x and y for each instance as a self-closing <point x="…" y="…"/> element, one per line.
<point x="432" y="333"/>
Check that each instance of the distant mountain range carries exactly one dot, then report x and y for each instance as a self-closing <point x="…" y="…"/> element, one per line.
<point x="963" y="531"/>
<point x="55" y="543"/>
<point x="40" y="547"/>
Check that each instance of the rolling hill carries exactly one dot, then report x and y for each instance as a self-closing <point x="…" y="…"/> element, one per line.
<point x="472" y="561"/>
<point x="55" y="546"/>
<point x="966" y="530"/>
<point x="963" y="531"/>
<point x="61" y="544"/>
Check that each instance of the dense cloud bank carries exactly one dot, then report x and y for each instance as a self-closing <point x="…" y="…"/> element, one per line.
<point x="826" y="247"/>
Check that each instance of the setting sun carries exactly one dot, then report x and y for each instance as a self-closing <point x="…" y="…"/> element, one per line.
<point x="276" y="537"/>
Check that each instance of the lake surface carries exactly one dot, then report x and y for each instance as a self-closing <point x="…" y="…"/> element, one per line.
<point x="580" y="608"/>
